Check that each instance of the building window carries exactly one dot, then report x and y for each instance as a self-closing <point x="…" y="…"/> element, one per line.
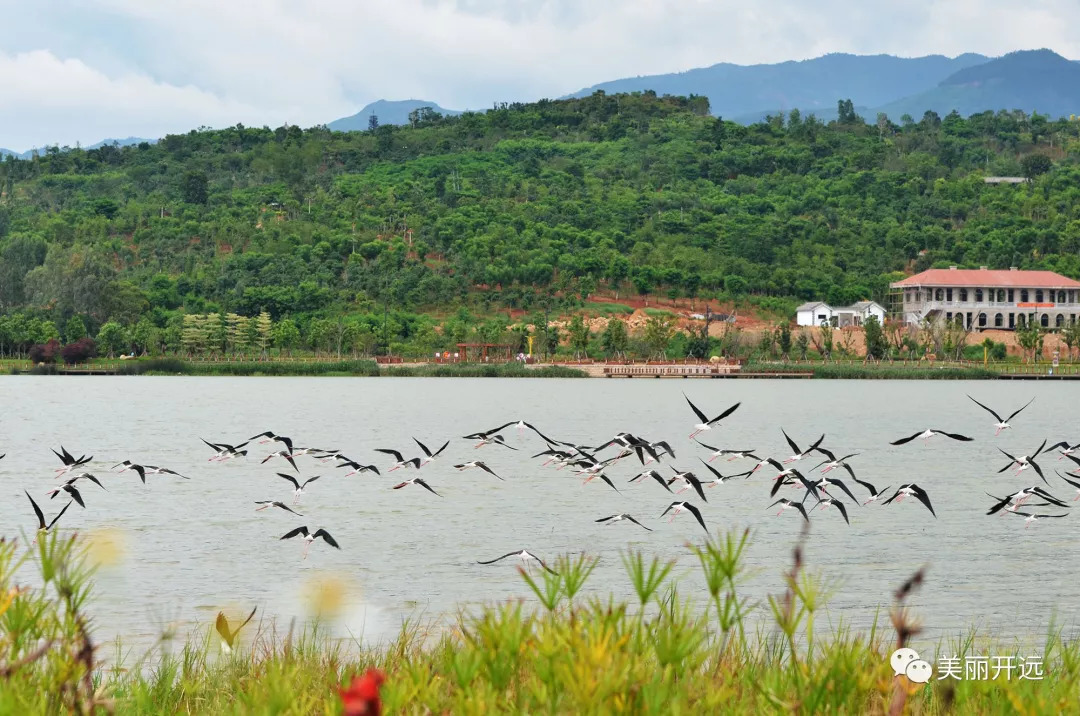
<point x="1001" y="295"/>
<point x="1020" y="320"/>
<point x="1061" y="297"/>
<point x="948" y="294"/>
<point x="1023" y="295"/>
<point x="1038" y="295"/>
<point x="963" y="294"/>
<point x="997" y="320"/>
<point x="1045" y="321"/>
<point x="982" y="320"/>
<point x="978" y="295"/>
<point x="1059" y="321"/>
<point x="940" y="294"/>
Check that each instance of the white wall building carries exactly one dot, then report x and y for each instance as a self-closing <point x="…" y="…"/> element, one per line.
<point x="812" y="314"/>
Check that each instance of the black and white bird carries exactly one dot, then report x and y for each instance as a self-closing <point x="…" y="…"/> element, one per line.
<point x="730" y="454"/>
<point x="1002" y="423"/>
<point x="915" y="491"/>
<point x="42" y="526"/>
<point x="1072" y="482"/>
<point x="284" y="454"/>
<point x="826" y="482"/>
<point x="690" y="480"/>
<point x="1064" y="448"/>
<point x="310" y="537"/>
<point x="875" y="494"/>
<point x="479" y="464"/>
<point x="1030" y="517"/>
<point x="833" y="462"/>
<point x="70" y="463"/>
<point x="70" y="490"/>
<point x="706" y="423"/>
<point x="677" y="508"/>
<point x="228" y="636"/>
<point x="270" y="436"/>
<point x="652" y="475"/>
<point x="1024" y="462"/>
<point x="489" y="440"/>
<point x="791" y="476"/>
<point x="145" y="470"/>
<point x="719" y="479"/>
<point x="274" y="503"/>
<point x="787" y="504"/>
<point x="929" y="433"/>
<point x="826" y="502"/>
<point x="400" y="460"/>
<point x="84" y="476"/>
<point x="612" y="519"/>
<point x="797" y="453"/>
<point x="299" y="487"/>
<point x="416" y="481"/>
<point x="357" y="468"/>
<point x="429" y="456"/>
<point x="526" y="557"/>
<point x="224" y="451"/>
<point x="1020" y="497"/>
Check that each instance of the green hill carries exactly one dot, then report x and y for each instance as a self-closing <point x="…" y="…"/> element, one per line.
<point x="515" y="208"/>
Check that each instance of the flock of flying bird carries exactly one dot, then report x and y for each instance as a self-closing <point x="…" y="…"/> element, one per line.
<point x="593" y="463"/>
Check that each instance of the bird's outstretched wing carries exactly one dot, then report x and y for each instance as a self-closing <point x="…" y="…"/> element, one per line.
<point x="499" y="559"/>
<point x="987" y="409"/>
<point x="298" y="531"/>
<point x="700" y="415"/>
<point x="326" y="537"/>
<point x="37" y="510"/>
<point x="290" y="478"/>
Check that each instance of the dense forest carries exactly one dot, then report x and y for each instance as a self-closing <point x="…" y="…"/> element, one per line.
<point x="412" y="236"/>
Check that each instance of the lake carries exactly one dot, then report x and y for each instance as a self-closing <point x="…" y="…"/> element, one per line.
<point x="187" y="548"/>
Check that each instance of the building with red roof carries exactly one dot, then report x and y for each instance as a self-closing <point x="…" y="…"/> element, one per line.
<point x="985" y="298"/>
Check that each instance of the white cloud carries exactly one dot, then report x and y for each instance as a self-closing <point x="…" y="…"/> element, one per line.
<point x="49" y="100"/>
<point x="190" y="62"/>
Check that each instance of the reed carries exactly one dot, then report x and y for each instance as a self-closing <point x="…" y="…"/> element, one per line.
<point x="571" y="653"/>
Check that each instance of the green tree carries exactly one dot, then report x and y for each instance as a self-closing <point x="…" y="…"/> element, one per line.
<point x="658" y="332"/>
<point x="146" y="336"/>
<point x="783" y="339"/>
<point x="195" y="187"/>
<point x="1035" y="165"/>
<point x="579" y="336"/>
<point x="74" y="329"/>
<point x="264" y="327"/>
<point x="826" y="340"/>
<point x="615" y="339"/>
<point x="113" y="338"/>
<point x="876" y="344"/>
<point x="193" y="336"/>
<point x="699" y="344"/>
<point x="216" y="333"/>
<point x="235" y="333"/>
<point x="1029" y="337"/>
<point x="286" y="336"/>
<point x="802" y="344"/>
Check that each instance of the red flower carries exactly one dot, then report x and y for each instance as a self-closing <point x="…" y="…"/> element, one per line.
<point x="362" y="696"/>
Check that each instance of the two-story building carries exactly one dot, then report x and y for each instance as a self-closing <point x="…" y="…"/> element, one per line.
<point x="985" y="298"/>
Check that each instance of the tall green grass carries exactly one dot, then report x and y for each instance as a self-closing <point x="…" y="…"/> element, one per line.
<point x="607" y="309"/>
<point x="665" y="651"/>
<point x="882" y="371"/>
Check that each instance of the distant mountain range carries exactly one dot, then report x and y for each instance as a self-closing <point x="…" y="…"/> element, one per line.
<point x="388" y="112"/>
<point x="126" y="141"/>
<point x="746" y="93"/>
<point x="1031" y="80"/>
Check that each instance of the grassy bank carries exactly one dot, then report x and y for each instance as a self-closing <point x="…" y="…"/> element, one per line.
<point x="176" y="366"/>
<point x="881" y="371"/>
<point x="665" y="652"/>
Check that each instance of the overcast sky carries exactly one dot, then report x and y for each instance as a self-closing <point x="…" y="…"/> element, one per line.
<point x="82" y="70"/>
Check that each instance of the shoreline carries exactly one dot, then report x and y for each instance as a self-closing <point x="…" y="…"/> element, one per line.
<point x="621" y="371"/>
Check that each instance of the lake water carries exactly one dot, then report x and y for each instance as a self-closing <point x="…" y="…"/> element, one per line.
<point x="191" y="547"/>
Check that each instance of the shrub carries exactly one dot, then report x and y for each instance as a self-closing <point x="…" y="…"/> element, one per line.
<point x="45" y="352"/>
<point x="79" y="351"/>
